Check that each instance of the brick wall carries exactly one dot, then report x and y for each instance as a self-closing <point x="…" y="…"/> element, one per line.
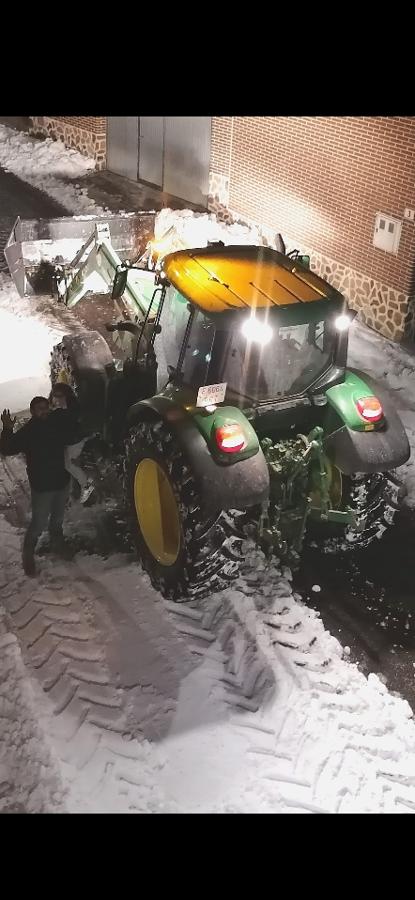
<point x="320" y="181"/>
<point x="88" y="134"/>
<point x="221" y="147"/>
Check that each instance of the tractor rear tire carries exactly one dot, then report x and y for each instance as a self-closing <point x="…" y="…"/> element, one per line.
<point x="186" y="555"/>
<point x="376" y="499"/>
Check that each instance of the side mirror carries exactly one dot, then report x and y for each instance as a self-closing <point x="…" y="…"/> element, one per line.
<point x="161" y="279"/>
<point x="119" y="285"/>
<point x="297" y="257"/>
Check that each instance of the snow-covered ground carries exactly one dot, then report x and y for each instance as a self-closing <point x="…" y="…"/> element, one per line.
<point x="30" y="780"/>
<point x="245" y="703"/>
<point x="112" y="699"/>
<point x="49" y="166"/>
<point x="29" y="329"/>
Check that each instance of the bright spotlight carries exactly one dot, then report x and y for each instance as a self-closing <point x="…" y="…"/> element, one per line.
<point x="255" y="330"/>
<point x="343" y="322"/>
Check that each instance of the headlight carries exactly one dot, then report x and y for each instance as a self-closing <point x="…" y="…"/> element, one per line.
<point x="255" y="330"/>
<point x="343" y="322"/>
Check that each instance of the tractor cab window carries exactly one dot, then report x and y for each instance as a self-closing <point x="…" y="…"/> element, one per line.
<point x="283" y="361"/>
<point x="167" y="344"/>
<point x="198" y="351"/>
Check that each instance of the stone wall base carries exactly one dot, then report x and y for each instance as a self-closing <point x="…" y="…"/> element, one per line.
<point x="379" y="306"/>
<point x="88" y="143"/>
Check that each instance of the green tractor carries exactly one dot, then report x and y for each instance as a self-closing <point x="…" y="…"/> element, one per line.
<point x="233" y="412"/>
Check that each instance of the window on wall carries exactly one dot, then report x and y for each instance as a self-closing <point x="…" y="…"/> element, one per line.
<point x="387" y="233"/>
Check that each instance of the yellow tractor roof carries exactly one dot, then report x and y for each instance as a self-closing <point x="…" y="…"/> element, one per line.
<point x="220" y="278"/>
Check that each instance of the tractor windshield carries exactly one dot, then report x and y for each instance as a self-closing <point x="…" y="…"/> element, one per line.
<point x="266" y="361"/>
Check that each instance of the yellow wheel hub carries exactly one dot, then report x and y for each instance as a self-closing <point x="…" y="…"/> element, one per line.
<point x="157" y="512"/>
<point x="63" y="377"/>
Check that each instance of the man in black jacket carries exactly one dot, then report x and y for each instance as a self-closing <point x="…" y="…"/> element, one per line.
<point x="42" y="441"/>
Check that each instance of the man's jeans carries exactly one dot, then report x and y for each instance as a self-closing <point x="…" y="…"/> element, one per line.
<point x="48" y="510"/>
<point x="72" y="452"/>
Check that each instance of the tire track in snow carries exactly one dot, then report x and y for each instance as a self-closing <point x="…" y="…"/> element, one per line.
<point x="53" y="617"/>
<point x="339" y="742"/>
<point x="271" y="677"/>
<point x="29" y="771"/>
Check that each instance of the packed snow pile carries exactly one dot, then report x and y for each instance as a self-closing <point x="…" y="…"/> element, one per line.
<point x="182" y="229"/>
<point x="185" y="229"/>
<point x="28" y="332"/>
<point x="49" y="166"/>
<point x="62" y="251"/>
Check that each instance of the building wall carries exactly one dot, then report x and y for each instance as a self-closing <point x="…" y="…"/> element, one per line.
<point x="88" y="134"/>
<point x="320" y="182"/>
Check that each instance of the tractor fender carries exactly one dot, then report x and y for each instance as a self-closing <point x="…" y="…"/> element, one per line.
<point x="89" y="349"/>
<point x="91" y="360"/>
<point x="371" y="451"/>
<point x="244" y="484"/>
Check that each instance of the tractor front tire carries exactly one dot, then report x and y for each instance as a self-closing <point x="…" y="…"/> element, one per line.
<point x="186" y="555"/>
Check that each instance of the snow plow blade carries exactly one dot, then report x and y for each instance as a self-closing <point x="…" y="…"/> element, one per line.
<point x="36" y="246"/>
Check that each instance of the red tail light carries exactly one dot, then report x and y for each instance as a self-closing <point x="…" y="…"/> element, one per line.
<point x="230" y="438"/>
<point x="370" y="409"/>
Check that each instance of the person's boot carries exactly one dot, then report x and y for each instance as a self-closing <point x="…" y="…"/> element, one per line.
<point x="28" y="559"/>
<point x="87" y="493"/>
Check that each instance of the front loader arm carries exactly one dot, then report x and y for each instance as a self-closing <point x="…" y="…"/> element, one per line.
<point x="94" y="269"/>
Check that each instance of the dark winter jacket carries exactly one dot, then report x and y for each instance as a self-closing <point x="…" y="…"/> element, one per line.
<point x="43" y="442"/>
<point x="69" y="422"/>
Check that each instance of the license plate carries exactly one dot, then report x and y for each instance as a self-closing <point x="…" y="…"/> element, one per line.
<point x="211" y="394"/>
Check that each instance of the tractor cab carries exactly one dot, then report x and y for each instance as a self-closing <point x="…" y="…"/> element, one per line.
<point x="253" y="319"/>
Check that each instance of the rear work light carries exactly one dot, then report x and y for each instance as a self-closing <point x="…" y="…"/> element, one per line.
<point x="230" y="438"/>
<point x="370" y="409"/>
